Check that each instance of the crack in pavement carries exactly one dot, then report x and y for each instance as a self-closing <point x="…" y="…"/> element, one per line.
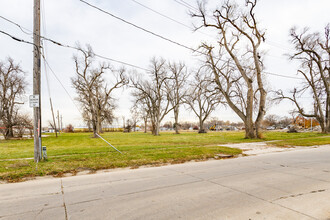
<point x="64" y="205"/>
<point x="32" y="211"/>
<point x="137" y="192"/>
<point x="30" y="197"/>
<point x="300" y="194"/>
<point x="249" y="194"/>
<point x="39" y="212"/>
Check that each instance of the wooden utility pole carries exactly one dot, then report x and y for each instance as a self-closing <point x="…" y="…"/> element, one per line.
<point x="36" y="80"/>
<point x="58" y="122"/>
<point x="61" y="123"/>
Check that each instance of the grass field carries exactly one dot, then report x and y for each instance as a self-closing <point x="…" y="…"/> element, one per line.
<point x="78" y="151"/>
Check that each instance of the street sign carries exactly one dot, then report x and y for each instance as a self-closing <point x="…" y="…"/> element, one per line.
<point x="34" y="101"/>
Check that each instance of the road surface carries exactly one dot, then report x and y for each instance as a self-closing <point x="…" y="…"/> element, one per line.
<point x="285" y="185"/>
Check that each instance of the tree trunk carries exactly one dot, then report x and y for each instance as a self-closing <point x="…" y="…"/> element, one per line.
<point x="257" y="131"/>
<point x="157" y="124"/>
<point x="322" y="125"/>
<point x="9" y="132"/>
<point x="94" y="125"/>
<point x="249" y="125"/>
<point x="201" y="126"/>
<point x="176" y="118"/>
<point x="98" y="122"/>
<point x="145" y="125"/>
<point x="249" y="130"/>
<point x="327" y="115"/>
<point x="153" y="127"/>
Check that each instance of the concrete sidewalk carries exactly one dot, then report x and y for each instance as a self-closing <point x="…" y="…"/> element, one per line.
<point x="285" y="185"/>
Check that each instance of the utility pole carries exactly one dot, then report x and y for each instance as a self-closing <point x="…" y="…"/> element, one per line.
<point x="36" y="80"/>
<point x="61" y="123"/>
<point x="58" y="122"/>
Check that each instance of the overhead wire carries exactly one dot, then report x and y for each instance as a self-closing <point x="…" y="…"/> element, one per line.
<point x="190" y="7"/>
<point x="161" y="14"/>
<point x="150" y="32"/>
<point x="138" y="27"/>
<point x="17" y="39"/>
<point x="42" y="54"/>
<point x="290" y="77"/>
<point x="128" y="64"/>
<point x="169" y="18"/>
<point x="44" y="48"/>
<point x="271" y="43"/>
<point x="66" y="91"/>
<point x="63" y="45"/>
<point x="24" y="30"/>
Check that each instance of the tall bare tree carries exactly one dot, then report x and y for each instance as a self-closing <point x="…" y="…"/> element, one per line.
<point x="135" y="116"/>
<point x="313" y="52"/>
<point x="94" y="93"/>
<point x="202" y="98"/>
<point x="176" y="88"/>
<point x="153" y="93"/>
<point x="12" y="88"/>
<point x="236" y="60"/>
<point x="141" y="110"/>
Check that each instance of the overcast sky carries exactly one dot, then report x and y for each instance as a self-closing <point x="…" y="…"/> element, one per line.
<point x="71" y="21"/>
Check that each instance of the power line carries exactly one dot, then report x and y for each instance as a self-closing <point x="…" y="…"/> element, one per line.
<point x="25" y="30"/>
<point x="161" y="14"/>
<point x="290" y="77"/>
<point x="66" y="91"/>
<point x="16" y="38"/>
<point x="62" y="45"/>
<point x="138" y="27"/>
<point x="185" y="5"/>
<point x="128" y="64"/>
<point x="169" y="18"/>
<point x="189" y="5"/>
<point x="271" y="43"/>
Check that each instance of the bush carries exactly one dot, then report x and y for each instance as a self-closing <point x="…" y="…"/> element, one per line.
<point x="69" y="129"/>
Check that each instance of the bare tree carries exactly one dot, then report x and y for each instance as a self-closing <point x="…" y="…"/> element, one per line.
<point x="12" y="88"/>
<point x="202" y="99"/>
<point x="176" y="88"/>
<point x="23" y="122"/>
<point x="236" y="60"/>
<point x="271" y="120"/>
<point x="313" y="52"/>
<point x="153" y="94"/>
<point x="141" y="108"/>
<point x="94" y="93"/>
<point x="135" y="116"/>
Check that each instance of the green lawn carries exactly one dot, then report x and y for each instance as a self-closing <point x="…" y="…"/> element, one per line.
<point x="78" y="151"/>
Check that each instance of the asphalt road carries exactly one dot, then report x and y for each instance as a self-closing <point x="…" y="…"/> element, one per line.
<point x="285" y="185"/>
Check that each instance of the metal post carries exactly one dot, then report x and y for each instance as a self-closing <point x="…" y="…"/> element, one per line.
<point x="36" y="80"/>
